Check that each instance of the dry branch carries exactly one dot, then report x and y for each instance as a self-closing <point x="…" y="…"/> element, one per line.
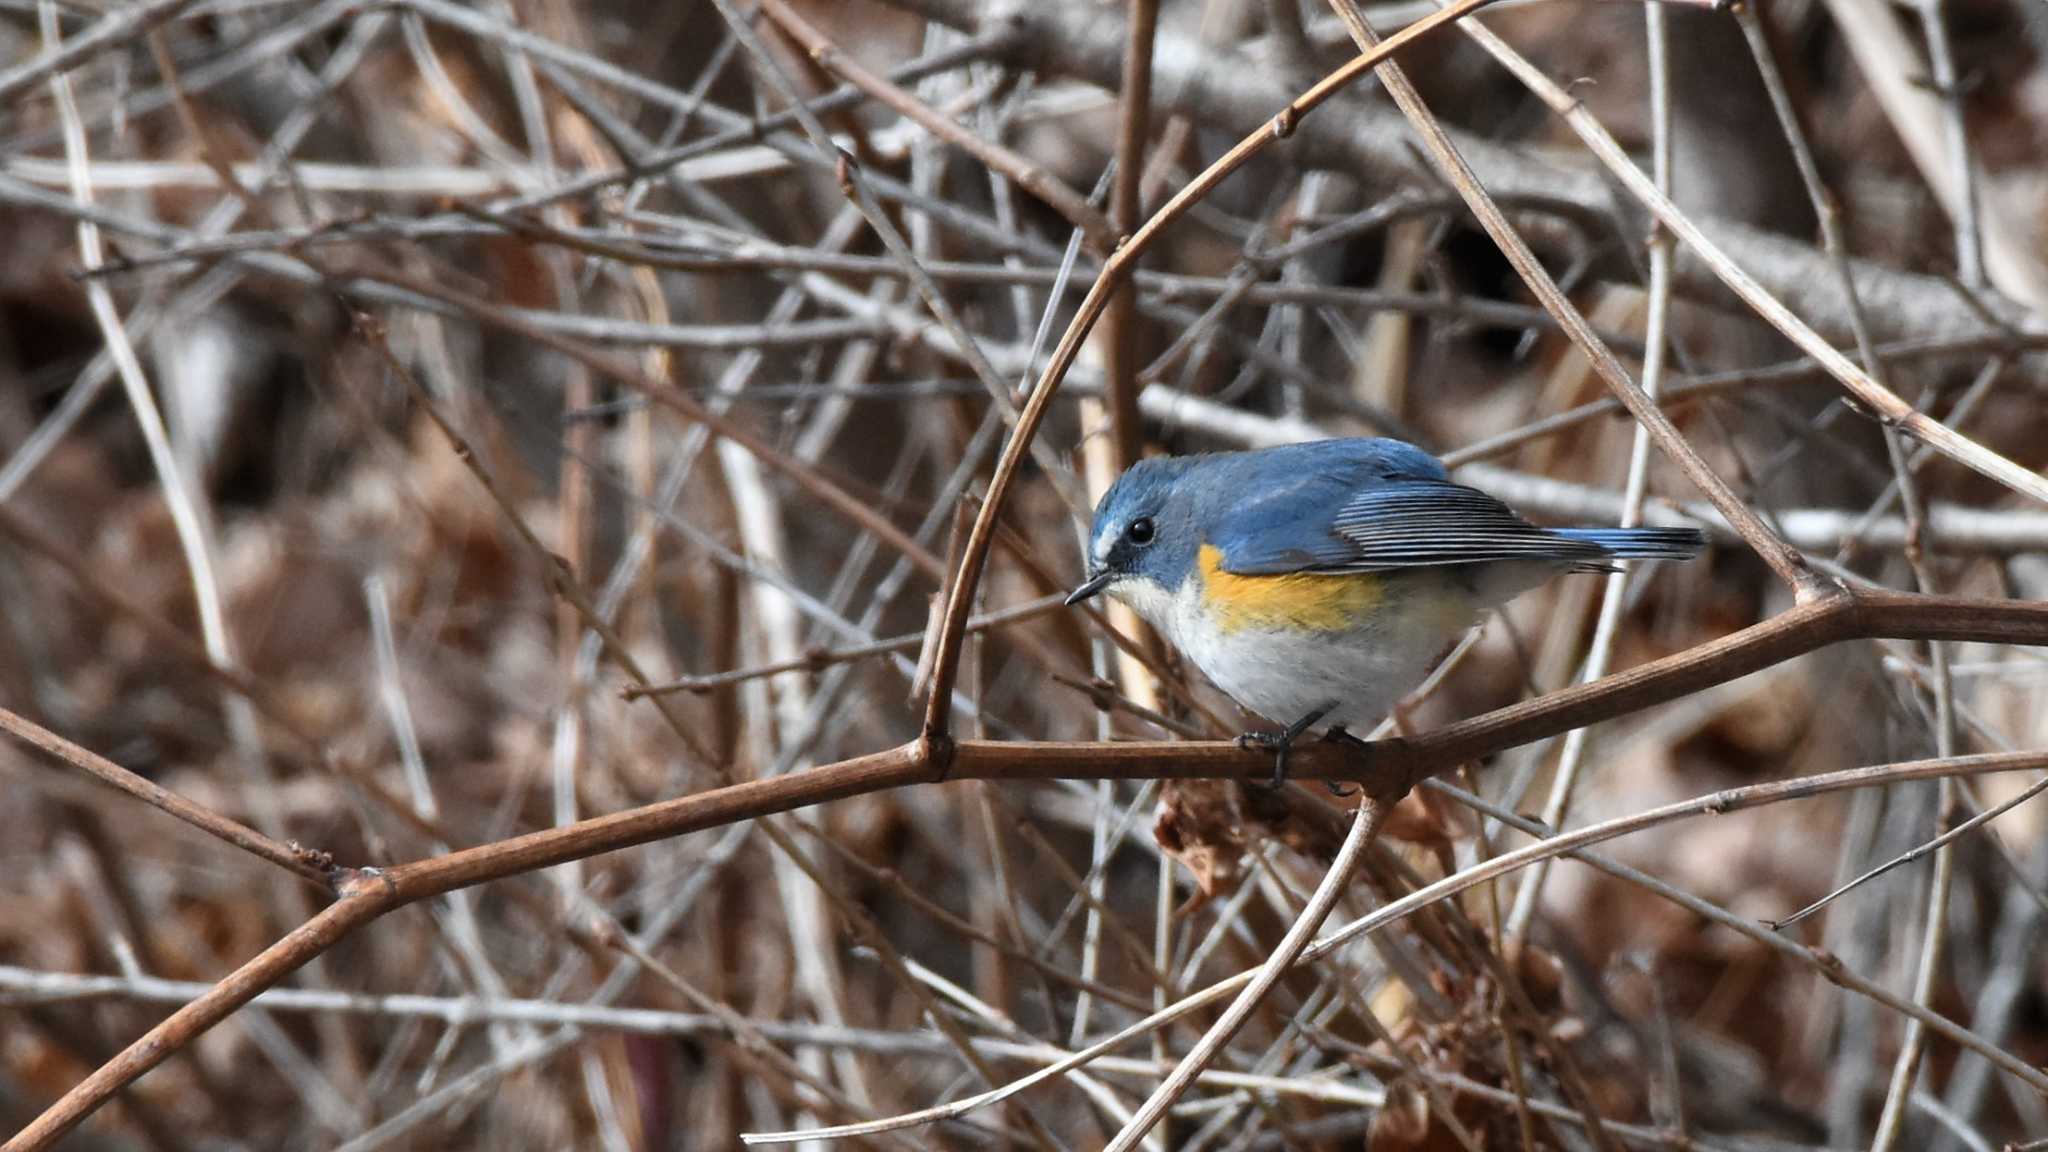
<point x="1386" y="767"/>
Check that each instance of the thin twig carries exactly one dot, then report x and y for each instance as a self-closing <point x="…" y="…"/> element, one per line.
<point x="1783" y="560"/>
<point x="1915" y="853"/>
<point x="313" y="866"/>
<point x="1365" y="826"/>
<point x="1134" y="114"/>
<point x="59" y="56"/>
<point x="1028" y="174"/>
<point x="1614" y="588"/>
<point x="1227" y="87"/>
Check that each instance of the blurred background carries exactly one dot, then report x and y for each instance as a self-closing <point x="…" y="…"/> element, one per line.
<point x="269" y="264"/>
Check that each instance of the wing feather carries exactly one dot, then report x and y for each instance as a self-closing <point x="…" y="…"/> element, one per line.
<point x="1366" y="505"/>
<point x="1383" y="524"/>
<point x="1413" y="523"/>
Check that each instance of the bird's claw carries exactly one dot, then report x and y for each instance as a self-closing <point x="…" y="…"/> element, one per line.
<point x="1280" y="742"/>
<point x="1277" y="743"/>
<point x="1337" y="735"/>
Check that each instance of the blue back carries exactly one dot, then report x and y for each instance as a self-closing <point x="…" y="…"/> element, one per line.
<point x="1274" y="510"/>
<point x="1353" y="505"/>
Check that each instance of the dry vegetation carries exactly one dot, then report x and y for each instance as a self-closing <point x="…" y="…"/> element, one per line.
<point x="390" y="393"/>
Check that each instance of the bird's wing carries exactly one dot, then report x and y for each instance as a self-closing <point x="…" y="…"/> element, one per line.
<point x="1417" y="523"/>
<point x="1270" y="512"/>
<point x="1388" y="524"/>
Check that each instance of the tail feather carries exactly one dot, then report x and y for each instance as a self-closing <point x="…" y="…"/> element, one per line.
<point x="1641" y="543"/>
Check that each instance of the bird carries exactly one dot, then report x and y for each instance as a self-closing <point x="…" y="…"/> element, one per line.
<point x="1318" y="583"/>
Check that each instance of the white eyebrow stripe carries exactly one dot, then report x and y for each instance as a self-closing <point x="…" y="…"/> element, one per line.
<point x="1105" y="539"/>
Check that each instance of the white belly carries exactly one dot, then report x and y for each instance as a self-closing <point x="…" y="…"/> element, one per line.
<point x="1358" y="673"/>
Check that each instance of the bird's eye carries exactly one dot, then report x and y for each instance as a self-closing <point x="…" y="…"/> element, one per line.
<point x="1140" y="532"/>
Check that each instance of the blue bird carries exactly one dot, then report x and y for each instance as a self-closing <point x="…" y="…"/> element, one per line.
<point x="1318" y="583"/>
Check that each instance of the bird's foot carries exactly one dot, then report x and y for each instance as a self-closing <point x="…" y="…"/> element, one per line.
<point x="1278" y="743"/>
<point x="1337" y="735"/>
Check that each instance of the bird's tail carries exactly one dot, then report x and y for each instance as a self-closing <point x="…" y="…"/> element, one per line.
<point x="1641" y="543"/>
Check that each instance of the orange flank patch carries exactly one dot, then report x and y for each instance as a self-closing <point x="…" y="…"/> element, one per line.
<point x="1317" y="601"/>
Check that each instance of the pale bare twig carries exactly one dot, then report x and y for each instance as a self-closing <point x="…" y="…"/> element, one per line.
<point x="1886" y="405"/>
<point x="1230" y="87"/>
<point x="59" y="55"/>
<point x="1656" y="333"/>
<point x="1027" y="174"/>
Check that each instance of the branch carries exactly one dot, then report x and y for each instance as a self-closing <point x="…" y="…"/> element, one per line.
<point x="1383" y="767"/>
<point x="1781" y="557"/>
<point x="1120" y="343"/>
<point x="115" y="27"/>
<point x="309" y="864"/>
<point x="1889" y="408"/>
<point x="1365" y="827"/>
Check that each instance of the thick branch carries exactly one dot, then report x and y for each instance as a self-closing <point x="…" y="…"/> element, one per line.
<point x="1385" y="766"/>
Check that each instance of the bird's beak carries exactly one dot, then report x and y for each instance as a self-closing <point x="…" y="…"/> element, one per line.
<point x="1089" y="587"/>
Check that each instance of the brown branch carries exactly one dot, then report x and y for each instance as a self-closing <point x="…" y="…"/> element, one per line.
<point x="1120" y="376"/>
<point x="1712" y="804"/>
<point x="307" y="863"/>
<point x="1384" y="767"/>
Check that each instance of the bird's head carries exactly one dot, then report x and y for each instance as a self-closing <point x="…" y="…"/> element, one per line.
<point x="1144" y="540"/>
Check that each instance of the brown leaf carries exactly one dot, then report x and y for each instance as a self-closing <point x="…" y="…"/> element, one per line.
<point x="1198" y="825"/>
